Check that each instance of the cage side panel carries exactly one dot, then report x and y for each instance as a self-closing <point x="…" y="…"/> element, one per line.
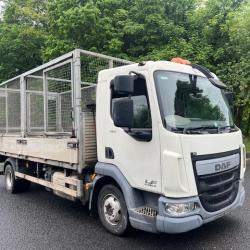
<point x="92" y="65"/>
<point x="9" y="144"/>
<point x="13" y="107"/>
<point x="88" y="99"/>
<point x="2" y="111"/>
<point x="36" y="113"/>
<point x="66" y="110"/>
<point x="35" y="105"/>
<point x="41" y="148"/>
<point x="14" y="112"/>
<point x="51" y="149"/>
<point x="59" y="85"/>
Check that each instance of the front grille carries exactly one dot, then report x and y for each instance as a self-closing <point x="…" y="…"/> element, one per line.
<point x="217" y="190"/>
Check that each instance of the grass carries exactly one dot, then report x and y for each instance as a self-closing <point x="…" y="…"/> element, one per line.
<point x="247" y="144"/>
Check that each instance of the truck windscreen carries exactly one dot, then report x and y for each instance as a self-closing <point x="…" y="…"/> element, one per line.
<point x="191" y="104"/>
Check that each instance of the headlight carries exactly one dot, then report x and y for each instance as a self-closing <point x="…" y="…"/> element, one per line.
<point x="179" y="209"/>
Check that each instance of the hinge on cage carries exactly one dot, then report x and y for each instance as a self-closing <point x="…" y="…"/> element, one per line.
<point x="72" y="145"/>
<point x="19" y="141"/>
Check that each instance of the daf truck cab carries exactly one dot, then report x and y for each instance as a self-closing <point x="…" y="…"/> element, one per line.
<point x="151" y="145"/>
<point x="165" y="133"/>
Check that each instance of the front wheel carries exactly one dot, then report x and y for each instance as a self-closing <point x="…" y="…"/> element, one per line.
<point x="112" y="210"/>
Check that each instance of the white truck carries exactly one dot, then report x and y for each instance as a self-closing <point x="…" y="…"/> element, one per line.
<point x="152" y="145"/>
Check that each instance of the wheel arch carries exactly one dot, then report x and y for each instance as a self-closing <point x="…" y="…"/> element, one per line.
<point x="110" y="174"/>
<point x="99" y="182"/>
<point x="10" y="161"/>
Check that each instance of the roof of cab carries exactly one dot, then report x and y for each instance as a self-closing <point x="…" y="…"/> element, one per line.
<point x="151" y="66"/>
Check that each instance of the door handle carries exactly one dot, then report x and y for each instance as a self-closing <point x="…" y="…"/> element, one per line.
<point x="109" y="153"/>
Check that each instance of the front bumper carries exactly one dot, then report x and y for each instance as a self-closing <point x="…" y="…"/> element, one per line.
<point x="165" y="224"/>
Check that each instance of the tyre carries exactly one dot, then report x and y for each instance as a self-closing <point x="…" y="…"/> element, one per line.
<point x="12" y="184"/>
<point x="112" y="210"/>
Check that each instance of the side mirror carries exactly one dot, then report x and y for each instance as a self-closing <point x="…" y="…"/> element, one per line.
<point x="123" y="113"/>
<point x="124" y="84"/>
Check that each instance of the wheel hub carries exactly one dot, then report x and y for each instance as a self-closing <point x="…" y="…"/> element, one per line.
<point x="112" y="209"/>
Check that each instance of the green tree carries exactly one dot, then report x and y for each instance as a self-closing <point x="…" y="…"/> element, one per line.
<point x="130" y="29"/>
<point x="235" y="68"/>
<point x="22" y="36"/>
<point x="20" y="49"/>
<point x="213" y="33"/>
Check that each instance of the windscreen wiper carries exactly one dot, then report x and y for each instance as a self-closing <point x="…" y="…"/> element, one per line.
<point x="227" y="129"/>
<point x="176" y="130"/>
<point x="204" y="130"/>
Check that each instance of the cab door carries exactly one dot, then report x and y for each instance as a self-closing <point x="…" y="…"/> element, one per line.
<point x="136" y="156"/>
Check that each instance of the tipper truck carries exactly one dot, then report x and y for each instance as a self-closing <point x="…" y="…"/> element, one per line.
<point x="150" y="145"/>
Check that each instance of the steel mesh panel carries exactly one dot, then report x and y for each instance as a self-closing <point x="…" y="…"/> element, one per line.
<point x="13" y="117"/>
<point x="35" y="105"/>
<point x="90" y="66"/>
<point x="88" y="97"/>
<point x="52" y="115"/>
<point x="118" y="64"/>
<point x="59" y="99"/>
<point x="36" y="114"/>
<point x="2" y="111"/>
<point x="62" y="72"/>
<point x="35" y="84"/>
<point x="38" y="73"/>
<point x="15" y="84"/>
<point x="14" y="111"/>
<point x="66" y="109"/>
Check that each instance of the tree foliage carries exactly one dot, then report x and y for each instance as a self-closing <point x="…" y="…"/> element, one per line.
<point x="214" y="33"/>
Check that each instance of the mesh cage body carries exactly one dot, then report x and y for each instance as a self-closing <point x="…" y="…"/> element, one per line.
<point x="48" y="100"/>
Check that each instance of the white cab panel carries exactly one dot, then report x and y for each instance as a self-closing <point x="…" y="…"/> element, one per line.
<point x="139" y="161"/>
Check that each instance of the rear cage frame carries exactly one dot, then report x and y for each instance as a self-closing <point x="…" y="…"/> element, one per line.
<point x="52" y="100"/>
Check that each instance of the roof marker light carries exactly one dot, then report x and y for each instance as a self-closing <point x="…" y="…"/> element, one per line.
<point x="180" y="60"/>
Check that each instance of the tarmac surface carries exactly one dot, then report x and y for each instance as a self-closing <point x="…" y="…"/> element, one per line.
<point x="39" y="220"/>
